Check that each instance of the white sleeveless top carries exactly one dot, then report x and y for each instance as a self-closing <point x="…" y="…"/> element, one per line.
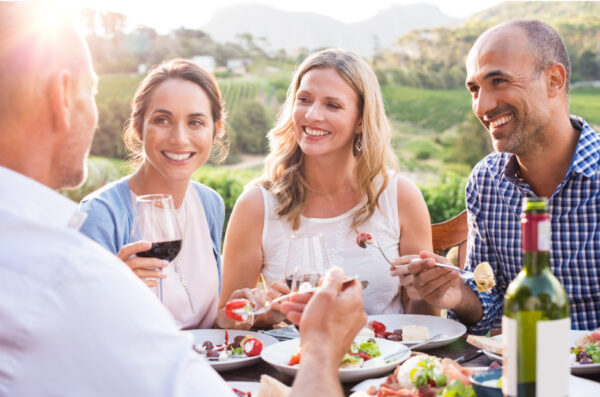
<point x="339" y="241"/>
<point x="196" y="268"/>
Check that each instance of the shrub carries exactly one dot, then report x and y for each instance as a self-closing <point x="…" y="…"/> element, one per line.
<point x="445" y="199"/>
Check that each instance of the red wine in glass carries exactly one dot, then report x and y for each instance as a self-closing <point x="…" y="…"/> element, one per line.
<point x="156" y="221"/>
<point x="166" y="250"/>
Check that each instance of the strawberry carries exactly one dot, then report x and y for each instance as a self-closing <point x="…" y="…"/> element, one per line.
<point x="377" y="327"/>
<point x="237" y="304"/>
<point x="361" y="238"/>
<point x="252" y="346"/>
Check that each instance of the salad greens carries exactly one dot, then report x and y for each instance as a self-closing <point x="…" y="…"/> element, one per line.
<point x="592" y="351"/>
<point x="457" y="389"/>
<point x="427" y="372"/>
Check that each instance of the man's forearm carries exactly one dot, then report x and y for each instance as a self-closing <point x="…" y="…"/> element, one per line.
<point x="469" y="310"/>
<point x="318" y="375"/>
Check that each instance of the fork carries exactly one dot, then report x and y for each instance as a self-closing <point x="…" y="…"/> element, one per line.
<point x="269" y="304"/>
<point x="374" y="243"/>
<point x="464" y="274"/>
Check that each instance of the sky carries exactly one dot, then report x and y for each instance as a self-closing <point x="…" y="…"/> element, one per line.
<point x="165" y="15"/>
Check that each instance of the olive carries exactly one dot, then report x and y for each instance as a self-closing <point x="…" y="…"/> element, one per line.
<point x="208" y="345"/>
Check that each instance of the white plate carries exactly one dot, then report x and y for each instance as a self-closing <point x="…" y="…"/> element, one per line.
<point x="450" y="329"/>
<point x="577" y="386"/>
<point x="217" y="337"/>
<point x="576" y="369"/>
<point x="279" y="355"/>
<point x="246" y="387"/>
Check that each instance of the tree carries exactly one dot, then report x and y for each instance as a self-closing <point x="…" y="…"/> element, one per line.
<point x="248" y="127"/>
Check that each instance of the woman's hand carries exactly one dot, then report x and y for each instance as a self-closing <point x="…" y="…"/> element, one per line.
<point x="258" y="298"/>
<point x="148" y="269"/>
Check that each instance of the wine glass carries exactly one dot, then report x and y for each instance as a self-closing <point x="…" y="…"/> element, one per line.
<point x="306" y="262"/>
<point x="155" y="221"/>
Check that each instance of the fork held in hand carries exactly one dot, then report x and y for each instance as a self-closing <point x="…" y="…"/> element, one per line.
<point x="269" y="304"/>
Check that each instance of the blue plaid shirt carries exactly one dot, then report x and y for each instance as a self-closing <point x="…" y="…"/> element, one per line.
<point x="494" y="196"/>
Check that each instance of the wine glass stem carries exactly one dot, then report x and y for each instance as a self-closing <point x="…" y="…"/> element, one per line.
<point x="160" y="289"/>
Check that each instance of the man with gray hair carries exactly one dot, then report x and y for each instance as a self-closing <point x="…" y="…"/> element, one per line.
<point x="75" y="321"/>
<point x="518" y="76"/>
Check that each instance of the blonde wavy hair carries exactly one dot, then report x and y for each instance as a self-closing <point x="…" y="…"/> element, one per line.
<point x="283" y="175"/>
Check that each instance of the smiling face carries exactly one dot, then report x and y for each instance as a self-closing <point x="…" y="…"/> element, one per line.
<point x="508" y="90"/>
<point x="178" y="130"/>
<point x="325" y="115"/>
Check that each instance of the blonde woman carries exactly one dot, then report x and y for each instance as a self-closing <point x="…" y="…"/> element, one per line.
<point x="329" y="172"/>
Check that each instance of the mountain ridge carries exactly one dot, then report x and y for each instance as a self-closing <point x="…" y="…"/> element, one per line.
<point x="293" y="30"/>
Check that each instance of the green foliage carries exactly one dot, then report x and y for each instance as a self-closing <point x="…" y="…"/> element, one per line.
<point x="585" y="102"/>
<point x="114" y="96"/>
<point x="425" y="149"/>
<point x="433" y="109"/>
<point x="248" y="126"/>
<point x="228" y="183"/>
<point x="470" y="144"/>
<point x="434" y="58"/>
<point x="445" y="199"/>
<point x="100" y="172"/>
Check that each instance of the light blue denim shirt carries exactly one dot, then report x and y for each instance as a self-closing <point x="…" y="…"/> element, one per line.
<point x="110" y="216"/>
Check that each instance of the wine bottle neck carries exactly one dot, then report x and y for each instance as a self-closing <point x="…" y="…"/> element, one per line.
<point x="535" y="229"/>
<point x="535" y="262"/>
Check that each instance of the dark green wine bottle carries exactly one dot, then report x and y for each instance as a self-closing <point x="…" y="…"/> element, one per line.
<point x="536" y="323"/>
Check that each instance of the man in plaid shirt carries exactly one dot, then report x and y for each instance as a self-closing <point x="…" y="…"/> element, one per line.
<point x="518" y="75"/>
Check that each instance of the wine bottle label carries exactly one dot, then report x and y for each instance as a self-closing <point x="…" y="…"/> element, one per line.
<point x="509" y="359"/>
<point x="553" y="361"/>
<point x="536" y="233"/>
<point x="546" y="341"/>
<point x="544" y="236"/>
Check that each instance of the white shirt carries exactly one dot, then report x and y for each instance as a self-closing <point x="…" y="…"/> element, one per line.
<point x="339" y="241"/>
<point x="73" y="320"/>
<point x="191" y="289"/>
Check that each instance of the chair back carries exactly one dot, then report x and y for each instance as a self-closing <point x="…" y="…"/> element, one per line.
<point x="451" y="233"/>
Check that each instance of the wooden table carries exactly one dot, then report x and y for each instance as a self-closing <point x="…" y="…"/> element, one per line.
<point x="454" y="350"/>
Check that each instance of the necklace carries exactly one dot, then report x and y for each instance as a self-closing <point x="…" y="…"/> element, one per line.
<point x="183" y="229"/>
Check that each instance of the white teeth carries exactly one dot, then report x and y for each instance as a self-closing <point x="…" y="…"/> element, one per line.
<point x="177" y="157"/>
<point x="311" y="132"/>
<point x="500" y="121"/>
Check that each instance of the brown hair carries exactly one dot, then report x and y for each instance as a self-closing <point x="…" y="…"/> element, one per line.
<point x="175" y="69"/>
<point x="283" y="175"/>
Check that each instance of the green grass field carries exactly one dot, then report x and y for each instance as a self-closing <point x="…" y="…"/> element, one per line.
<point x="439" y="110"/>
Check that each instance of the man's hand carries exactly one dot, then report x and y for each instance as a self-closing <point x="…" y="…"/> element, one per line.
<point x="328" y="321"/>
<point x="332" y="317"/>
<point x="439" y="286"/>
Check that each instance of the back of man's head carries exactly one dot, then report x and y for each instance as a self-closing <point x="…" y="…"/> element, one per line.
<point x="35" y="41"/>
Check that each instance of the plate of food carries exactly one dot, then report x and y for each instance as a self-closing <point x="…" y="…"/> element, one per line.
<point x="227" y="349"/>
<point x="411" y="329"/>
<point x="585" y="351"/>
<point x="364" y="359"/>
<point x="421" y="375"/>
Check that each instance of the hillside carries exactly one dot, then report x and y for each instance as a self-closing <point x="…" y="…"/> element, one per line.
<point x="294" y="30"/>
<point x="434" y="58"/>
